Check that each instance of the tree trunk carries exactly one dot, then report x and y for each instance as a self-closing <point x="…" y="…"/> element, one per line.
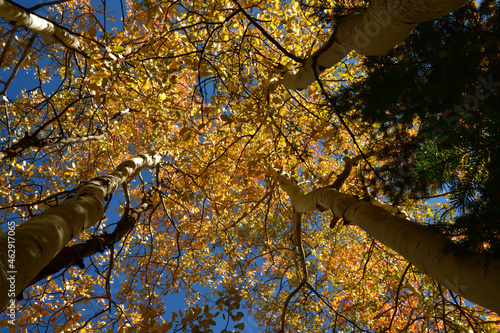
<point x="27" y="248"/>
<point x="473" y="276"/>
<point x="373" y="32"/>
<point x="21" y="17"/>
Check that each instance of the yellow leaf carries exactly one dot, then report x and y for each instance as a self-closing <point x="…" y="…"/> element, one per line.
<point x="118" y="49"/>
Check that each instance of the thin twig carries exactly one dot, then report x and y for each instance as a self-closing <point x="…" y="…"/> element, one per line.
<point x="12" y="33"/>
<point x="19" y="63"/>
<point x="397" y="296"/>
<point x="50" y="3"/>
<point x="268" y="36"/>
<point x="297" y="236"/>
<point x="341" y="119"/>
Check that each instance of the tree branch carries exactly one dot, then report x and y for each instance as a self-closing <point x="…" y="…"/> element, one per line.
<point x="13" y="12"/>
<point x="30" y="141"/>
<point x="18" y="64"/>
<point x="268" y="36"/>
<point x="74" y="255"/>
<point x="50" y="3"/>
<point x="376" y="31"/>
<point x="429" y="251"/>
<point x="299" y="250"/>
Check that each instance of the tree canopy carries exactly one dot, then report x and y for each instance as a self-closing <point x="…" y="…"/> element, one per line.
<point x="456" y="147"/>
<point x="200" y="90"/>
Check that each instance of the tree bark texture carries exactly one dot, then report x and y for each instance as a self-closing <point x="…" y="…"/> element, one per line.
<point x="373" y="32"/>
<point x="473" y="276"/>
<point x="34" y="243"/>
<point x="21" y="17"/>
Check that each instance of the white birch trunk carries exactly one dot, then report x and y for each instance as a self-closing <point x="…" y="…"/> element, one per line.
<point x="374" y="32"/>
<point x="20" y="17"/>
<point x="473" y="276"/>
<point x="35" y="242"/>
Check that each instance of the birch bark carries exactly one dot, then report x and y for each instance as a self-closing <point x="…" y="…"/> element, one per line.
<point x="21" y="17"/>
<point x="374" y="32"/>
<point x="35" y="242"/>
<point x="473" y="276"/>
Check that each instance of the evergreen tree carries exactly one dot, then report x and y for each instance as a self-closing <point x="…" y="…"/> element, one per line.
<point x="443" y="83"/>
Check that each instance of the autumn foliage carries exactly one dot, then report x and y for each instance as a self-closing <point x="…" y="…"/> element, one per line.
<point x="197" y="82"/>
